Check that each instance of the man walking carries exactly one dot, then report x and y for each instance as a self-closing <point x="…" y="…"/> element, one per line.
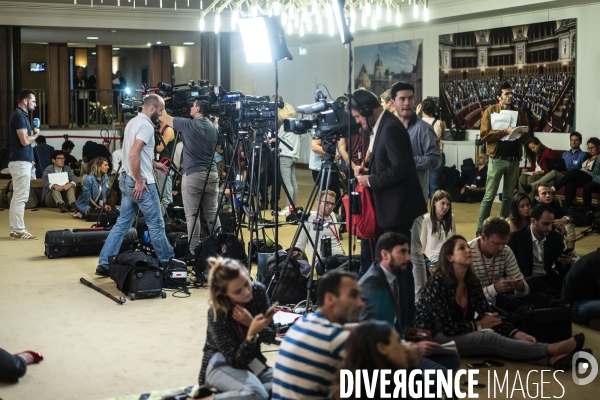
<point x="138" y="186"/>
<point x="504" y="154"/>
<point x="199" y="142"/>
<point x="20" y="138"/>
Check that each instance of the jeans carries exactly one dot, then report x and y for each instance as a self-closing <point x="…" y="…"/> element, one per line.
<point x="234" y="383"/>
<point x="585" y="310"/>
<point x="287" y="166"/>
<point x="150" y="207"/>
<point x="167" y="194"/>
<point x="476" y="344"/>
<point x="11" y="367"/>
<point x="496" y="170"/>
<point x="434" y="177"/>
<point x="20" y="172"/>
<point x="191" y="189"/>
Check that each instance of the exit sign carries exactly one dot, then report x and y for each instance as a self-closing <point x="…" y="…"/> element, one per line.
<point x="302" y="51"/>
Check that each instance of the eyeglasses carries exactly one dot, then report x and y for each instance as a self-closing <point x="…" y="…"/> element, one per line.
<point x="592" y="148"/>
<point x="330" y="204"/>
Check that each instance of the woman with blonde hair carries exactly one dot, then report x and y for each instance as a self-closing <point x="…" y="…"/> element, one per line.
<point x="95" y="188"/>
<point x="438" y="225"/>
<point x="290" y="153"/>
<point x="233" y="363"/>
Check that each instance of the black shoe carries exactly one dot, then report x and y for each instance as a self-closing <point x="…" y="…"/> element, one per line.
<point x="580" y="340"/>
<point x="566" y="362"/>
<point x="63" y="207"/>
<point x="470" y="200"/>
<point x="102" y="271"/>
<point x="527" y="188"/>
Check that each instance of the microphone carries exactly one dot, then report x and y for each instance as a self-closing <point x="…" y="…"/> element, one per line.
<point x="167" y="163"/>
<point x="36" y="123"/>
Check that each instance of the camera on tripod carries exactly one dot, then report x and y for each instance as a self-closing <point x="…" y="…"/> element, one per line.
<point x="438" y="106"/>
<point x="330" y="121"/>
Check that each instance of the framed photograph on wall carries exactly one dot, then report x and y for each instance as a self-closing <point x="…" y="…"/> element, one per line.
<point x="538" y="60"/>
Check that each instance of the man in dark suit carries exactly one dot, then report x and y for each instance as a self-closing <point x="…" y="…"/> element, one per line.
<point x="42" y="157"/>
<point x="387" y="297"/>
<point x="391" y="174"/>
<point x="539" y="252"/>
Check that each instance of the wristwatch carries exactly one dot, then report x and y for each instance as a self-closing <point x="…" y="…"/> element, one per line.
<point x="252" y="338"/>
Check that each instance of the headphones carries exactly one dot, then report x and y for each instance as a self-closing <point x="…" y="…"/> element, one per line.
<point x="364" y="109"/>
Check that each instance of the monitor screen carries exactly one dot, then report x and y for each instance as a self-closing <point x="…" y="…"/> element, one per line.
<point x="37" y="67"/>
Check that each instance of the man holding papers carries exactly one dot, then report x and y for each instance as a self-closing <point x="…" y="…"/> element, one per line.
<point x="504" y="129"/>
<point x="59" y="184"/>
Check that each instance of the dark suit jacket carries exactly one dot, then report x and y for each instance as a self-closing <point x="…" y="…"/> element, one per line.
<point x="522" y="246"/>
<point x="379" y="302"/>
<point x="397" y="193"/>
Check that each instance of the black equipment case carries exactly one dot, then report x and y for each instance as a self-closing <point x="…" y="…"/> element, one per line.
<point x="83" y="242"/>
<point x="137" y="274"/>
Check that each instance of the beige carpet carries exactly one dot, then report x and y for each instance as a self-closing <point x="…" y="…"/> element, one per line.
<point x="96" y="349"/>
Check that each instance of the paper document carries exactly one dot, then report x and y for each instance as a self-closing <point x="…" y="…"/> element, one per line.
<point x="500" y="121"/>
<point x="58" y="178"/>
<point x="514" y="115"/>
<point x="527" y="173"/>
<point x="282" y="317"/>
<point x="449" y="347"/>
<point x="516" y="133"/>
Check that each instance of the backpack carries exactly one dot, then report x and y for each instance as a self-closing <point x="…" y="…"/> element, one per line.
<point x="223" y="245"/>
<point x="32" y="202"/>
<point x="365" y="224"/>
<point x="293" y="277"/>
<point x="179" y="242"/>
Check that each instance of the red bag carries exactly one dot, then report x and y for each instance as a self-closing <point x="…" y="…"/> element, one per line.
<point x="364" y="225"/>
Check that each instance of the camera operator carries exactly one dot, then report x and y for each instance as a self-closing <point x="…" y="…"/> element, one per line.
<point x="199" y="142"/>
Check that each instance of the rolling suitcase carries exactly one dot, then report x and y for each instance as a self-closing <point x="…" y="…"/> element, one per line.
<point x="83" y="242"/>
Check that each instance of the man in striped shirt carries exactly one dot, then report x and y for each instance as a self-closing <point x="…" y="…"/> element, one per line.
<point x="496" y="266"/>
<point x="311" y="352"/>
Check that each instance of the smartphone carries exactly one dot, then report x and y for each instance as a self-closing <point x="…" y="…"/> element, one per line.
<point x="493" y="363"/>
<point x="478" y="365"/>
<point x="478" y="386"/>
<point x="271" y="310"/>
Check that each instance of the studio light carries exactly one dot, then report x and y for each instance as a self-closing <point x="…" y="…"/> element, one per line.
<point x="263" y="39"/>
<point x="340" y="19"/>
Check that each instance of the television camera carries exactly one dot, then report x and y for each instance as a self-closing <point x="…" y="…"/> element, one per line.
<point x="330" y="121"/>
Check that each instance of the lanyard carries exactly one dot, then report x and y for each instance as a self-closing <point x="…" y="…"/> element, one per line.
<point x="490" y="276"/>
<point x="466" y="307"/>
<point x="334" y="230"/>
<point x="398" y="309"/>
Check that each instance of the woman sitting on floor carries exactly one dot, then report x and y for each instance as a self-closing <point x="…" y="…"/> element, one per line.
<point x="438" y="226"/>
<point x="233" y="363"/>
<point x="453" y="307"/>
<point x="95" y="188"/>
<point x="375" y="345"/>
<point x="577" y="178"/>
<point x="537" y="154"/>
<point x="520" y="211"/>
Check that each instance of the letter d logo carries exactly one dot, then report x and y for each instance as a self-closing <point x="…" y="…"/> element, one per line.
<point x="583" y="367"/>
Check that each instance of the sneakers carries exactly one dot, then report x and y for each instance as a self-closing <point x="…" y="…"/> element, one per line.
<point x="22" y="236"/>
<point x="72" y="208"/>
<point x="63" y="207"/>
<point x="102" y="271"/>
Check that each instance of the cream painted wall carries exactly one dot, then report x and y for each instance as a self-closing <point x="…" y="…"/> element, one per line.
<point x="187" y="59"/>
<point x="327" y="62"/>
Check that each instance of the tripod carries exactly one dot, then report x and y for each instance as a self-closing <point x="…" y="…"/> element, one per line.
<point x="323" y="180"/>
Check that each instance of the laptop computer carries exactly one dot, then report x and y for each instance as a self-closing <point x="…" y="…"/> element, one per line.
<point x="557" y="164"/>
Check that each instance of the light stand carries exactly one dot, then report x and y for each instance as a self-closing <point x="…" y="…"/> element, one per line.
<point x="264" y="41"/>
<point x="347" y="38"/>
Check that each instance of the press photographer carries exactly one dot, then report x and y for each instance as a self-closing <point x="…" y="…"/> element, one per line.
<point x="199" y="142"/>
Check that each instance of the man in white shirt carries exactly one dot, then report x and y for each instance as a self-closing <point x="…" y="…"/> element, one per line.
<point x="330" y="227"/>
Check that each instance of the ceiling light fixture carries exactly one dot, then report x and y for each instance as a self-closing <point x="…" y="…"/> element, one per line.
<point x="188" y="43"/>
<point x="92" y="37"/>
